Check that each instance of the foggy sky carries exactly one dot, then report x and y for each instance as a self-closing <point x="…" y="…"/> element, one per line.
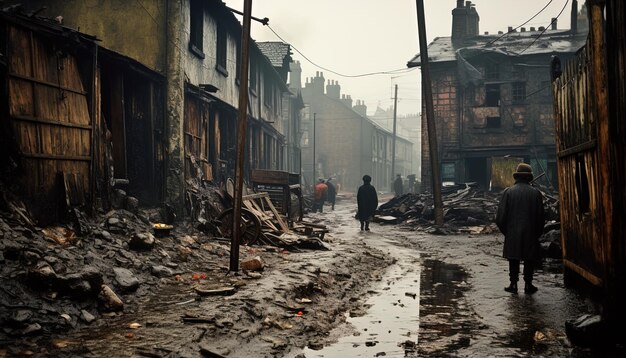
<point x="361" y="36"/>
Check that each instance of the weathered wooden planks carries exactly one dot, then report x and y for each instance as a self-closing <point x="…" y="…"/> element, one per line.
<point x="50" y="116"/>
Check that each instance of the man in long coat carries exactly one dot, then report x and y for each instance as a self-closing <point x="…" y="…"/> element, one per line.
<point x="520" y="218"/>
<point x="367" y="202"/>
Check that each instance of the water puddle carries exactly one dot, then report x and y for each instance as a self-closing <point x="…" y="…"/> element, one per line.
<point x="391" y="319"/>
<point x="415" y="310"/>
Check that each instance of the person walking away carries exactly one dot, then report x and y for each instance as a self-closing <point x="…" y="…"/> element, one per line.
<point x="320" y="195"/>
<point x="332" y="193"/>
<point x="397" y="185"/>
<point x="520" y="218"/>
<point x="367" y="202"/>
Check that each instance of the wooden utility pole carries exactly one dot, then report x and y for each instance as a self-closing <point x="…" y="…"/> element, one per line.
<point x="242" y="120"/>
<point x="313" y="178"/>
<point x="393" y="140"/>
<point x="430" y="115"/>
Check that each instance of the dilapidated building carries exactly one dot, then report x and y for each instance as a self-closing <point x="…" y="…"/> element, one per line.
<point x="492" y="97"/>
<point x="159" y="91"/>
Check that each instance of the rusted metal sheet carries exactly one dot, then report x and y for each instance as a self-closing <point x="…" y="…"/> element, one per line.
<point x="50" y="117"/>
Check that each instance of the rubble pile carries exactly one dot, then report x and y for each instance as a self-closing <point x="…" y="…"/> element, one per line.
<point x="74" y="274"/>
<point x="463" y="205"/>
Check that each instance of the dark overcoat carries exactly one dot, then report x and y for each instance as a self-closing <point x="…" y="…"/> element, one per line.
<point x="332" y="191"/>
<point x="367" y="201"/>
<point x="520" y="218"/>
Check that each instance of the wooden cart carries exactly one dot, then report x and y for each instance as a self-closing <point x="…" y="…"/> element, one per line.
<point x="284" y="190"/>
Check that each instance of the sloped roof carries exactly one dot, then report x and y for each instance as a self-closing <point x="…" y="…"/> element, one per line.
<point x="442" y="49"/>
<point x="275" y="52"/>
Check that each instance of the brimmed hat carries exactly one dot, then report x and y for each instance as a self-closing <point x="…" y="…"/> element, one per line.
<point x="524" y="172"/>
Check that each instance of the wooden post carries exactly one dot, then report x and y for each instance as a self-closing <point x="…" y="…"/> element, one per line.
<point x="430" y="115"/>
<point x="393" y="139"/>
<point x="242" y="120"/>
<point x="313" y="178"/>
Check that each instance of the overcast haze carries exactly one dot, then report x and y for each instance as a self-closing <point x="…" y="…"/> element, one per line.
<point x="361" y="36"/>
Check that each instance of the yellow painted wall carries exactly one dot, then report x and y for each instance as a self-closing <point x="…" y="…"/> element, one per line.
<point x="134" y="28"/>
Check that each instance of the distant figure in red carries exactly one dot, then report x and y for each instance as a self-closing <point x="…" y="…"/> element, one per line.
<point x="367" y="201"/>
<point x="321" y="190"/>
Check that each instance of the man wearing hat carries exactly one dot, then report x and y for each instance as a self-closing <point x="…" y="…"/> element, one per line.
<point x="520" y="218"/>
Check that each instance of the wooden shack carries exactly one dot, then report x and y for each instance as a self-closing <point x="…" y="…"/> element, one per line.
<point x="48" y="111"/>
<point x="590" y="107"/>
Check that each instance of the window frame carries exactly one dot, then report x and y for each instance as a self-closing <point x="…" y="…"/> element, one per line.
<point x="196" y="28"/>
<point x="221" y="50"/>
<point x="518" y="92"/>
<point x="492" y="88"/>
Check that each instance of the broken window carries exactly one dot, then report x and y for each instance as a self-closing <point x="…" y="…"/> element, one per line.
<point x="195" y="27"/>
<point x="492" y="71"/>
<point x="582" y="184"/>
<point x="519" y="92"/>
<point x="493" y="122"/>
<point x="221" y="49"/>
<point x="492" y="95"/>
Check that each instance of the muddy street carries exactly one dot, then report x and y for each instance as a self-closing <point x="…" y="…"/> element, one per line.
<point x="388" y="292"/>
<point x="460" y="308"/>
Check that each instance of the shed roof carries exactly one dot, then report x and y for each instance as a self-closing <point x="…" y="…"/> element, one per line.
<point x="528" y="43"/>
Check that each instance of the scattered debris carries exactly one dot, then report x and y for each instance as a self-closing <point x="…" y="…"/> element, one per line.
<point x="221" y="291"/>
<point x="252" y="264"/>
<point x="466" y="208"/>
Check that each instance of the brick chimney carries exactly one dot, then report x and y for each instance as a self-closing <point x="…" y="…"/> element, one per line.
<point x="295" y="76"/>
<point x="333" y="90"/>
<point x="465" y="21"/>
<point x="360" y="108"/>
<point x="317" y="82"/>
<point x="347" y="100"/>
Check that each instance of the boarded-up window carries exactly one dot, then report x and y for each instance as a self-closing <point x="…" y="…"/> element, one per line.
<point x="196" y="139"/>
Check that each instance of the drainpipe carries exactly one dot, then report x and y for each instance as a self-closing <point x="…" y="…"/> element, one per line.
<point x="175" y="162"/>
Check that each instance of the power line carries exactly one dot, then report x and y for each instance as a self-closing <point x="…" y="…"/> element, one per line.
<point x="400" y="70"/>
<point x="527" y="21"/>
<point x="546" y="29"/>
